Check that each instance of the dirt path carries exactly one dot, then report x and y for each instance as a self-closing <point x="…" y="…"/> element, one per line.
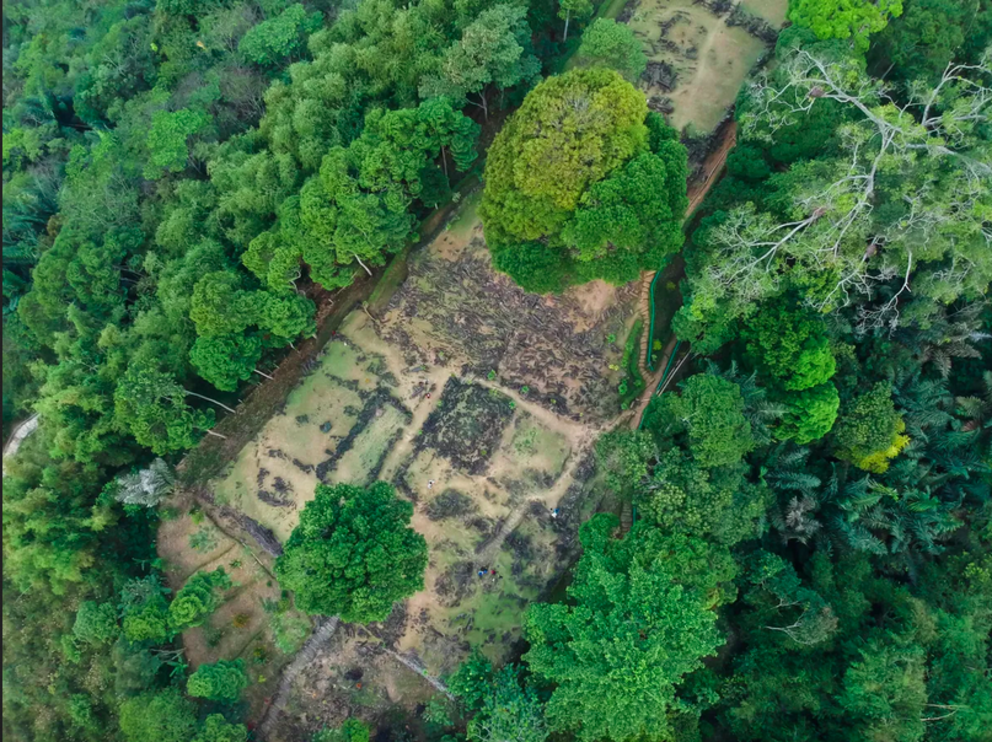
<point x="552" y="496"/>
<point x="420" y="670"/>
<point x="573" y="430"/>
<point x="19" y="435"/>
<point x="652" y="383"/>
<point x="436" y="377"/>
<point x="711" y="171"/>
<point x="320" y="637"/>
<point x="580" y="437"/>
<point x="712" y="167"/>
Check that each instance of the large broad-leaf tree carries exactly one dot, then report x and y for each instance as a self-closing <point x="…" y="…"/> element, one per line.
<point x="613" y="45"/>
<point x="842" y="229"/>
<point x="218" y="681"/>
<point x="583" y="183"/>
<point x="353" y="553"/>
<point x="844" y="19"/>
<point x="616" y="651"/>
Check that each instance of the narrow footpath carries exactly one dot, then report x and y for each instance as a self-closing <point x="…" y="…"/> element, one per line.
<point x="711" y="171"/>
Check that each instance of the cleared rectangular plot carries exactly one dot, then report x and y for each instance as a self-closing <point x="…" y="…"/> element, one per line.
<point x="700" y="54"/>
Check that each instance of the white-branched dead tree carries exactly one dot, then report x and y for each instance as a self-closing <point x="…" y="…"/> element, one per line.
<point x="908" y="198"/>
<point x="147" y="487"/>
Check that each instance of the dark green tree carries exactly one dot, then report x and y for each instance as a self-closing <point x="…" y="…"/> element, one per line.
<point x="710" y="412"/>
<point x="96" y="623"/>
<point x="152" y="406"/>
<point x="158" y="716"/>
<point x="869" y="431"/>
<point x="790" y="347"/>
<point x="353" y="553"/>
<point x="145" y="610"/>
<point x="508" y="711"/>
<point x="226" y="359"/>
<point x="617" y="650"/>
<point x="216" y="728"/>
<point x="494" y="50"/>
<point x="197" y="599"/>
<point x="612" y="45"/>
<point x="473" y="680"/>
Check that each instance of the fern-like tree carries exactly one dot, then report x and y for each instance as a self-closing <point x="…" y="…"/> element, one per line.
<point x="147" y="487"/>
<point x="197" y="599"/>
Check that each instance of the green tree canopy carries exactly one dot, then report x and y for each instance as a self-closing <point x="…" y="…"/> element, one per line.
<point x="710" y="412"/>
<point x="197" y="599"/>
<point x="152" y="406"/>
<point x="352" y="730"/>
<point x="495" y="49"/>
<point x="616" y="651"/>
<point x="218" y="681"/>
<point x="600" y="185"/>
<point x="353" y="553"/>
<point x="473" y="680"/>
<point x="279" y="38"/>
<point x="355" y="212"/>
<point x="612" y="45"/>
<point x="96" y="623"/>
<point x="145" y="610"/>
<point x="809" y="414"/>
<point x="218" y="729"/>
<point x="225" y="360"/>
<point x="789" y="346"/>
<point x="508" y="712"/>
<point x="158" y="716"/>
<point x="578" y="8"/>
<point x="869" y="430"/>
<point x="844" y="19"/>
<point x="168" y="140"/>
<point x="927" y="36"/>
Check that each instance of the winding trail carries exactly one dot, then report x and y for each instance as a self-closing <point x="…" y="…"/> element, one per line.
<point x="19" y="435"/>
<point x="710" y="173"/>
<point x="553" y="495"/>
<point x="308" y="652"/>
<point x="652" y="383"/>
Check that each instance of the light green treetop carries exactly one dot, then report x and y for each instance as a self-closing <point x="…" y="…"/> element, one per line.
<point x="844" y="19"/>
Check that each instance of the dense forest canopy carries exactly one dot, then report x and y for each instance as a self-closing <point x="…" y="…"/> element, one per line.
<point x="179" y="181"/>
<point x="811" y="557"/>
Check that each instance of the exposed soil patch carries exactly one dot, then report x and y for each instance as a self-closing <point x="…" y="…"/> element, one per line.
<point x="450" y="504"/>
<point x="241" y="627"/>
<point x="462" y="315"/>
<point x="700" y="52"/>
<point x="353" y="676"/>
<point x="467" y="425"/>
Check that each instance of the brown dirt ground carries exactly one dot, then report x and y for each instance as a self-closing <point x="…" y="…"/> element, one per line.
<point x="710" y="58"/>
<point x="250" y="573"/>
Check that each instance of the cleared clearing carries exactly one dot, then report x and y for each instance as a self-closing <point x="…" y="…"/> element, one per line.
<point x="480" y="404"/>
<point x="700" y="53"/>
